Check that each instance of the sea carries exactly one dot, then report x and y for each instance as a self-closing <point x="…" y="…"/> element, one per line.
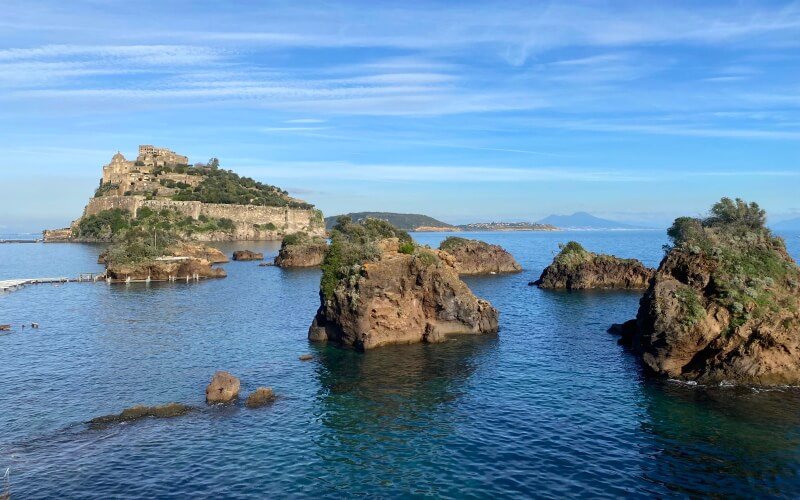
<point x="550" y="407"/>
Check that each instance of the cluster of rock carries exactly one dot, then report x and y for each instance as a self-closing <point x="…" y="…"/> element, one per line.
<point x="400" y="298"/>
<point x="301" y="250"/>
<point x="479" y="257"/>
<point x="185" y="261"/>
<point x="575" y="268"/>
<point x="224" y="388"/>
<point x="242" y="255"/>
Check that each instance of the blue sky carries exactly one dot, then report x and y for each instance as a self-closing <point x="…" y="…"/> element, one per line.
<point x="466" y="111"/>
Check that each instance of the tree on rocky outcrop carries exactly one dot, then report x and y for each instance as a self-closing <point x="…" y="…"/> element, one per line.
<point x="724" y="303"/>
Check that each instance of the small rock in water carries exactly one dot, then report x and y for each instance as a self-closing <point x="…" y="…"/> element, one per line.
<point x="266" y="264"/>
<point x="306" y="357"/>
<point x="260" y="397"/>
<point x="140" y="411"/>
<point x="223" y="388"/>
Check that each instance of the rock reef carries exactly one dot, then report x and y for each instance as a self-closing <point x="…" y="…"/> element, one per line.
<point x="260" y="397"/>
<point x="379" y="288"/>
<point x="140" y="411"/>
<point x="247" y="255"/>
<point x="723" y="305"/>
<point x="479" y="257"/>
<point x="575" y="268"/>
<point x="301" y="250"/>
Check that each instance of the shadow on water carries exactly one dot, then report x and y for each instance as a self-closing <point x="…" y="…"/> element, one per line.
<point x="722" y="441"/>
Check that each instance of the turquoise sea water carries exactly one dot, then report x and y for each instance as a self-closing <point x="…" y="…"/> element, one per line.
<point x="550" y="407"/>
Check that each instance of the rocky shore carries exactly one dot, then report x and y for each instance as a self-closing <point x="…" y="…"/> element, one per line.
<point x="479" y="257"/>
<point x="379" y="288"/>
<point x="575" y="268"/>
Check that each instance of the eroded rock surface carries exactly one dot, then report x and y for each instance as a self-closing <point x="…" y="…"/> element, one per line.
<point x="394" y="293"/>
<point x="479" y="257"/>
<point x="223" y="388"/>
<point x="723" y="305"/>
<point x="301" y="250"/>
<point x="247" y="255"/>
<point x="140" y="411"/>
<point x="260" y="397"/>
<point x="575" y="268"/>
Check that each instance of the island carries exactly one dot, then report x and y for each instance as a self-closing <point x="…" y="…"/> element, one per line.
<point x="378" y="288"/>
<point x="406" y="222"/>
<point x="203" y="201"/>
<point x="724" y="304"/>
<point x="479" y="257"/>
<point x="575" y="268"/>
<point x="507" y="226"/>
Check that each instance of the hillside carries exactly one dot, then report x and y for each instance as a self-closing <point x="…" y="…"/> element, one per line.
<point x="406" y="222"/>
<point x="583" y="220"/>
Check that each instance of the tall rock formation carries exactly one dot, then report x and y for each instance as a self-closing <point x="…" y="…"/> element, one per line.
<point x="723" y="305"/>
<point x="379" y="288"/>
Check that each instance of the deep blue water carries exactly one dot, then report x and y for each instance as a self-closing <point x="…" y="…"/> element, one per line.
<point x="550" y="407"/>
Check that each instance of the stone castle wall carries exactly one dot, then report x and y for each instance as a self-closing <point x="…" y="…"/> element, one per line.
<point x="286" y="220"/>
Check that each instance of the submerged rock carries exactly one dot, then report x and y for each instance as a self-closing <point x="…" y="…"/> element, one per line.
<point x="575" y="268"/>
<point x="306" y="357"/>
<point x="301" y="250"/>
<point x="140" y="411"/>
<point x="479" y="257"/>
<point x="260" y="397"/>
<point x="223" y="388"/>
<point x="723" y="305"/>
<point x="378" y="288"/>
<point x="247" y="255"/>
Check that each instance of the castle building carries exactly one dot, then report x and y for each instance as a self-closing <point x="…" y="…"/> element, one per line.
<point x="122" y="175"/>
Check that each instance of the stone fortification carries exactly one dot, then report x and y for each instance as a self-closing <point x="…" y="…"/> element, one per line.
<point x="252" y="222"/>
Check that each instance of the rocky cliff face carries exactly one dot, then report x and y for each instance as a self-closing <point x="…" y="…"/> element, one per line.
<point x="575" y="268"/>
<point x="397" y="298"/>
<point x="301" y="250"/>
<point x="479" y="257"/>
<point x="723" y="305"/>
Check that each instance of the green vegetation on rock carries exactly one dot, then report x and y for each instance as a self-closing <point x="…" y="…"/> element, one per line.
<point x="111" y="225"/>
<point x="751" y="273"/>
<point x="452" y="242"/>
<point x="572" y="254"/>
<point x="353" y="244"/>
<point x="226" y="187"/>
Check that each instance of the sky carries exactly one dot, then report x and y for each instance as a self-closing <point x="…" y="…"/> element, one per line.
<point x="466" y="111"/>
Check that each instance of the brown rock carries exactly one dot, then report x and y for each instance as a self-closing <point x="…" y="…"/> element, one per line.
<point x="164" y="269"/>
<point x="479" y="257"/>
<point x="724" y="304"/>
<point x="137" y="412"/>
<point x="301" y="250"/>
<point x="260" y="397"/>
<point x="223" y="388"/>
<point x="199" y="251"/>
<point x="306" y="357"/>
<point x="575" y="268"/>
<point x="402" y="299"/>
<point x="247" y="255"/>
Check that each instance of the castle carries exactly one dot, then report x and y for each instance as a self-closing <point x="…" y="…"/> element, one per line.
<point x="122" y="176"/>
<point x="158" y="174"/>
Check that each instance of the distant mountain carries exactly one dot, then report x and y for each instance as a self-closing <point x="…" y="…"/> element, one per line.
<point x="787" y="225"/>
<point x="407" y="222"/>
<point x="583" y="220"/>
